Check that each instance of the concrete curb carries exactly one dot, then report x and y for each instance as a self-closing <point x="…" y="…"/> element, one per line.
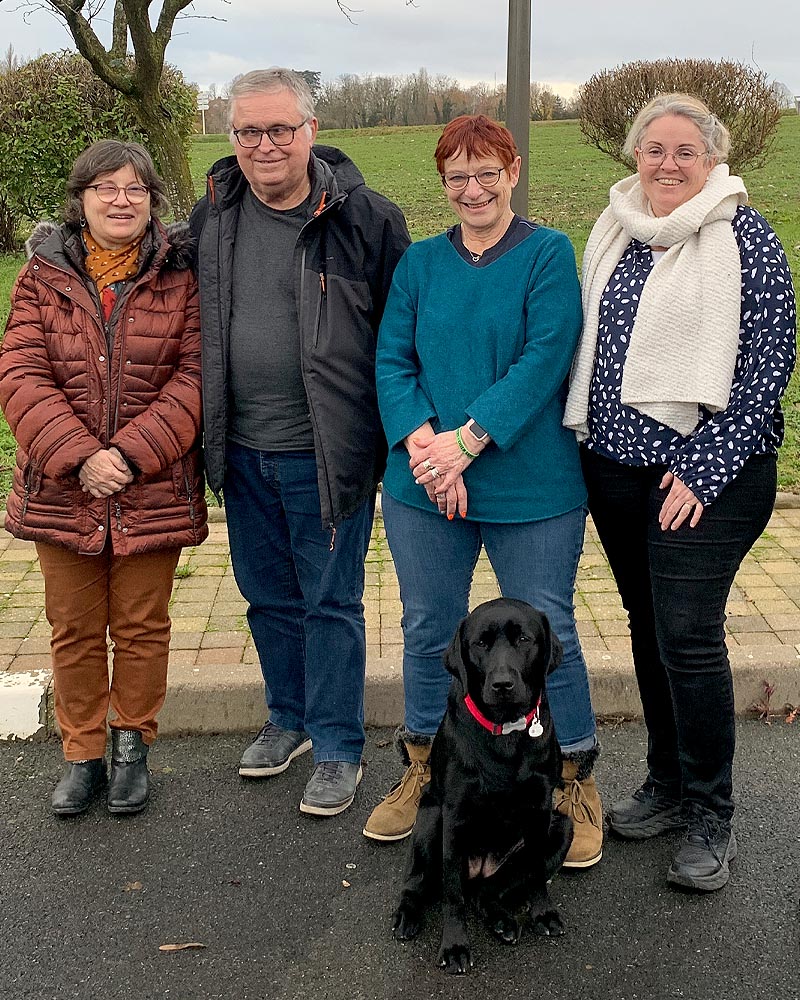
<point x="231" y="699"/>
<point x="228" y="698"/>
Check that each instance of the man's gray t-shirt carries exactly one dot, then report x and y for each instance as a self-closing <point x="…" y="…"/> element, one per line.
<point x="267" y="407"/>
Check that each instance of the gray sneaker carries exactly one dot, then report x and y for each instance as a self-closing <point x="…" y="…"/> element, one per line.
<point x="331" y="788"/>
<point x="272" y="751"/>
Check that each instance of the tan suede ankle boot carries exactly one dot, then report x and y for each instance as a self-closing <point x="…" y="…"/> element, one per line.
<point x="580" y="800"/>
<point x="394" y="817"/>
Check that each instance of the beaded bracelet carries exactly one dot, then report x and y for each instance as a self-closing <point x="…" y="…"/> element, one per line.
<point x="464" y="449"/>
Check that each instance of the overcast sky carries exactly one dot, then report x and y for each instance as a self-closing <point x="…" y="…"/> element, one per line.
<point x="465" y="39"/>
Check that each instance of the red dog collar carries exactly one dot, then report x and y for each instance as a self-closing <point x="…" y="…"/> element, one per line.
<point x="530" y="721"/>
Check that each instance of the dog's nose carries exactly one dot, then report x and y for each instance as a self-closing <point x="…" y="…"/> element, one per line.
<point x="502" y="685"/>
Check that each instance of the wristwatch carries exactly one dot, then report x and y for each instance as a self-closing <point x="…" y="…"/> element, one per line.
<point x="475" y="429"/>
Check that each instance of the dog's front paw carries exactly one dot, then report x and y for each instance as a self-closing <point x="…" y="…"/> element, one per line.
<point x="547" y="923"/>
<point x="405" y="922"/>
<point x="455" y="958"/>
<point x="505" y="928"/>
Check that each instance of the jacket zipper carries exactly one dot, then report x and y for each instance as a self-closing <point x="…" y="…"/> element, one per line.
<point x="25" y="498"/>
<point x="187" y="484"/>
<point x="314" y="423"/>
<point x="323" y="294"/>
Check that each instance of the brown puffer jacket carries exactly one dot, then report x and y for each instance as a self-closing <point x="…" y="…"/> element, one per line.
<point x="70" y="386"/>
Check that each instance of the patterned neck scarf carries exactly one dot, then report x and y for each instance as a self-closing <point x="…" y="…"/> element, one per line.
<point x="108" y="267"/>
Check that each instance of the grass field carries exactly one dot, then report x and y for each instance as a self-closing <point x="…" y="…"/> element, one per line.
<point x="569" y="189"/>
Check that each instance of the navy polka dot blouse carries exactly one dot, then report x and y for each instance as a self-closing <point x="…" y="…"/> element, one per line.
<point x="752" y="423"/>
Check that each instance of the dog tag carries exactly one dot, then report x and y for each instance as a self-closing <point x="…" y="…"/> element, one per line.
<point x="536" y="728"/>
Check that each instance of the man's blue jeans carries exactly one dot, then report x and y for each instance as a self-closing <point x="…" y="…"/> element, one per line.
<point x="305" y="601"/>
<point x="535" y="562"/>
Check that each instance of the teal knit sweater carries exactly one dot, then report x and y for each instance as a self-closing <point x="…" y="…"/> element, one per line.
<point x="493" y="343"/>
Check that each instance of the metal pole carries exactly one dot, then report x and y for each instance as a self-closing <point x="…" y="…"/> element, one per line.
<point x="518" y="93"/>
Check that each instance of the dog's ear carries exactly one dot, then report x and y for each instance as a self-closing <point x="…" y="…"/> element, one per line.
<point x="554" y="651"/>
<point x="454" y="655"/>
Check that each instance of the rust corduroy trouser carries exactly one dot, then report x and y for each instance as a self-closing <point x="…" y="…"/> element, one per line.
<point x="128" y="597"/>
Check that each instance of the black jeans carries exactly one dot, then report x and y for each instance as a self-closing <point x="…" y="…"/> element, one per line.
<point x="674" y="586"/>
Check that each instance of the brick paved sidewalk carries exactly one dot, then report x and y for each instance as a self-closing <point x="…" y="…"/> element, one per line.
<point x="210" y="634"/>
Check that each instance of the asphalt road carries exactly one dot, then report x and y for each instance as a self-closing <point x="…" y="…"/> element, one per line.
<point x="290" y="907"/>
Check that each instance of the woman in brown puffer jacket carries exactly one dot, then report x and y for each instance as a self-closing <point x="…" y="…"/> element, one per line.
<point x="100" y="384"/>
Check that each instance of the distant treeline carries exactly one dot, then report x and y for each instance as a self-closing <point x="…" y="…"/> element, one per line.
<point x="352" y="101"/>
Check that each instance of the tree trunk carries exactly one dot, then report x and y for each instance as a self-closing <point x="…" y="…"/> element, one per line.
<point x="170" y="156"/>
<point x="9" y="227"/>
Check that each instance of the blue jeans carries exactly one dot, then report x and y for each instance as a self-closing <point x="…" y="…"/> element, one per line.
<point x="305" y="605"/>
<point x="674" y="586"/>
<point x="535" y="562"/>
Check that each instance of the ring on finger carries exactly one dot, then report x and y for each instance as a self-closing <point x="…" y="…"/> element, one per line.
<point x="427" y="464"/>
<point x="434" y="472"/>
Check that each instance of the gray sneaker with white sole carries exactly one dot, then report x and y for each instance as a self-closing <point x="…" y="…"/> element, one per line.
<point x="331" y="788"/>
<point x="272" y="751"/>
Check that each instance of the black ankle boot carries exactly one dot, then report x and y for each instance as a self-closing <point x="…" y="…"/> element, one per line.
<point x="80" y="783"/>
<point x="129" y="787"/>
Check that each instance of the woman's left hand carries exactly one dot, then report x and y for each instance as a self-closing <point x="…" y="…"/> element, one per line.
<point x="679" y="505"/>
<point x="438" y="461"/>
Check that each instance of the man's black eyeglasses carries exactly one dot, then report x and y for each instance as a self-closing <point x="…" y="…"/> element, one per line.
<point x="278" y="135"/>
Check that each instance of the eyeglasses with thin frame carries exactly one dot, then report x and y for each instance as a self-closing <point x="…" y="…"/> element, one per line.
<point x="486" y="178"/>
<point x="654" y="156"/>
<point x="278" y="135"/>
<point x="108" y="192"/>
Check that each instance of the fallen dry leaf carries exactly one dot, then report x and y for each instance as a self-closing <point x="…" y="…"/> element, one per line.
<point x="132" y="886"/>
<point x="345" y="883"/>
<point x="180" y="947"/>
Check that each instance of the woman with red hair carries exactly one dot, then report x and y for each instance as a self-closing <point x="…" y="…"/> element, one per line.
<point x="473" y="355"/>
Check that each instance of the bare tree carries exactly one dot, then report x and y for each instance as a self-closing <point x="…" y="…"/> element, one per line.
<point x="139" y="80"/>
<point x="148" y="24"/>
<point x="783" y="95"/>
<point x="10" y="61"/>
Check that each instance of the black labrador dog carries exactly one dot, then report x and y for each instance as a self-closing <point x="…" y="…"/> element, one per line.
<point x="486" y="826"/>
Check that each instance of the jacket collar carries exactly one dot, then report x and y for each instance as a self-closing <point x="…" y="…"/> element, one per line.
<point x="332" y="174"/>
<point x="63" y="245"/>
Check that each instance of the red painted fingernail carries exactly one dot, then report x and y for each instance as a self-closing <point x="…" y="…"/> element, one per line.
<point x="450" y="517"/>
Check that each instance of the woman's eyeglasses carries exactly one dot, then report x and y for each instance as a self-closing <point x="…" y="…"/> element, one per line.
<point x="486" y="179"/>
<point x="654" y="156"/>
<point x="108" y="192"/>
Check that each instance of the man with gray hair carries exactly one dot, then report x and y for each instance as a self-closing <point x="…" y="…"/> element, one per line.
<point x="295" y="259"/>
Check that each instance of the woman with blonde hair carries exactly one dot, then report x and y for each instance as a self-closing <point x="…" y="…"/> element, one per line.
<point x="687" y="347"/>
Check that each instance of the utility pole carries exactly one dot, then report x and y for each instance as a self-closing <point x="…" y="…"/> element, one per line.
<point x="518" y="93"/>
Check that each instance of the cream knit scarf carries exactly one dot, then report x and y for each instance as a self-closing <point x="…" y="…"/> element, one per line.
<point x="685" y="337"/>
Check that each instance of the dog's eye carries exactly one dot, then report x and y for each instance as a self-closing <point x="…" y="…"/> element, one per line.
<point x="524" y="638"/>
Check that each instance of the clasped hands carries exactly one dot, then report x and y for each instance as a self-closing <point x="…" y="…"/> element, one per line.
<point x="104" y="473"/>
<point x="437" y="463"/>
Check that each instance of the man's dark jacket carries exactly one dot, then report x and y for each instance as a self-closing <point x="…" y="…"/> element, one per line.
<point x="343" y="264"/>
